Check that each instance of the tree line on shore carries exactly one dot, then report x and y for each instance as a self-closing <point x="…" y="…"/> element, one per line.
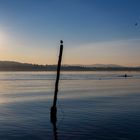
<point x="17" y="66"/>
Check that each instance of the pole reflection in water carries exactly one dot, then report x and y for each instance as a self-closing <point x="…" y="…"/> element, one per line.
<point x="55" y="130"/>
<point x="54" y="122"/>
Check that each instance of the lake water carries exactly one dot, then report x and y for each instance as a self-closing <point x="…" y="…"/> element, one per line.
<point x="91" y="106"/>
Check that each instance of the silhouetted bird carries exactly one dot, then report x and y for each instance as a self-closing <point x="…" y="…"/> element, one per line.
<point x="61" y="41"/>
<point x="136" y="24"/>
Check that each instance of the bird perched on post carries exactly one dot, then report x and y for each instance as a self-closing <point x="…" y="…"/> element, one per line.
<point x="61" y="41"/>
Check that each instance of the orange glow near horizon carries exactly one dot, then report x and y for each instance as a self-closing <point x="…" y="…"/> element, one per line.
<point x="113" y="52"/>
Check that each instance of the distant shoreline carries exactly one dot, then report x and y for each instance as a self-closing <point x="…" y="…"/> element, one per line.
<point x="17" y="66"/>
<point x="101" y="70"/>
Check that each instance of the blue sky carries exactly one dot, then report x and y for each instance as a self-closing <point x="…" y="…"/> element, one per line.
<point x="94" y="31"/>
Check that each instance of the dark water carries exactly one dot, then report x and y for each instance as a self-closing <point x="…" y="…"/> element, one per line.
<point x="91" y="106"/>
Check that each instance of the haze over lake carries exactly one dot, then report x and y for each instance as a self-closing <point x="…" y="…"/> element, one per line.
<point x="91" y="105"/>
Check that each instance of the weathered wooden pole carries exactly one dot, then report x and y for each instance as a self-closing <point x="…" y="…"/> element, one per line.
<point x="53" y="114"/>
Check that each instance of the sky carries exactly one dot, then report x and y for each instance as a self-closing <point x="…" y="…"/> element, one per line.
<point x="93" y="31"/>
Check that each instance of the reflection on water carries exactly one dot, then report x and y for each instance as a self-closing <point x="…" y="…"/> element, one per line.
<point x="54" y="130"/>
<point x="91" y="105"/>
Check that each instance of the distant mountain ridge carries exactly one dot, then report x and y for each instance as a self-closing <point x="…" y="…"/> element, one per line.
<point x="18" y="66"/>
<point x="104" y="65"/>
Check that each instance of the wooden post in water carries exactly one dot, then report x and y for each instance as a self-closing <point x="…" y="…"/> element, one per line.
<point x="53" y="114"/>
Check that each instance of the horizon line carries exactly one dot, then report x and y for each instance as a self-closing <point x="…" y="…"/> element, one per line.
<point x="116" y="65"/>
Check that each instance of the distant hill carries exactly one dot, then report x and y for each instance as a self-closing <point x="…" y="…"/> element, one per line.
<point x="104" y="65"/>
<point x="17" y="66"/>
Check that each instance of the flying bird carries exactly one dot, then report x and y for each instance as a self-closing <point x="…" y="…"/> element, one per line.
<point x="136" y="24"/>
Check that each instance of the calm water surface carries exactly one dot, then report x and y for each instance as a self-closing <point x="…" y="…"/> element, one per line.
<point x="91" y="106"/>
